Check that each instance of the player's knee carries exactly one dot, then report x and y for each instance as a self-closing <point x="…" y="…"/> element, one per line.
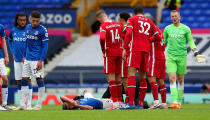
<point x="26" y="78"/>
<point x="5" y="78"/>
<point x="172" y="79"/>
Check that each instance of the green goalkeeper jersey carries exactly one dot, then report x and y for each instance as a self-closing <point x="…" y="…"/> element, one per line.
<point x="176" y="38"/>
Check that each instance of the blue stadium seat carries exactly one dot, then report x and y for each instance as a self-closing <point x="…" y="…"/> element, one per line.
<point x="198" y="12"/>
<point x="166" y="13"/>
<point x="195" y="25"/>
<point x="50" y="85"/>
<point x="193" y="6"/>
<point x="162" y="25"/>
<point x="186" y="13"/>
<point x="61" y="85"/>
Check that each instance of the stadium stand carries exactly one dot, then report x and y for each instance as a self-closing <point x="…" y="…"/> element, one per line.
<point x="9" y="8"/>
<point x="195" y="13"/>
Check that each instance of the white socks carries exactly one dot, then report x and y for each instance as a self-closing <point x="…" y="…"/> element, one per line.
<point x="41" y="92"/>
<point x="29" y="98"/>
<point x="172" y="84"/>
<point x="4" y="96"/>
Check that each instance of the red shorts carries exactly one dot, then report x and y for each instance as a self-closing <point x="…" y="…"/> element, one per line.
<point x="112" y="64"/>
<point x="138" y="60"/>
<point x="157" y="69"/>
<point x="124" y="69"/>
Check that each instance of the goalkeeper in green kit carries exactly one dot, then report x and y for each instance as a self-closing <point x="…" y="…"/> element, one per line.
<point x="177" y="35"/>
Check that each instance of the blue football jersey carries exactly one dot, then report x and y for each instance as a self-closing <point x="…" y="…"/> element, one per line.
<point x="2" y="35"/>
<point x="95" y="103"/>
<point x="17" y="42"/>
<point x="36" y="43"/>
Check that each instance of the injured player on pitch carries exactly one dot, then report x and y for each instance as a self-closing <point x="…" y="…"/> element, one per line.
<point x="86" y="102"/>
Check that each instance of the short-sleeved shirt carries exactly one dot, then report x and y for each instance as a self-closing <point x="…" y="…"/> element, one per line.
<point x="112" y="42"/>
<point x="17" y="42"/>
<point x="2" y="35"/>
<point x="34" y="41"/>
<point x="95" y="103"/>
<point x="143" y="28"/>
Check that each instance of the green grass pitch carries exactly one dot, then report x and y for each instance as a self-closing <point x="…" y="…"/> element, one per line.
<point x="188" y="112"/>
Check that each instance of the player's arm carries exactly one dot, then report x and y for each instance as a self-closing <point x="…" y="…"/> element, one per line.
<point x="102" y="39"/>
<point x="10" y="43"/>
<point x="45" y="39"/>
<point x="200" y="58"/>
<point x="4" y="45"/>
<point x="165" y="35"/>
<point x="84" y="107"/>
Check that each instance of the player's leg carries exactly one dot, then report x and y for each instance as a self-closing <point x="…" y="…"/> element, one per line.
<point x="133" y="64"/>
<point x="4" y="85"/>
<point x="154" y="89"/>
<point x="152" y="74"/>
<point x="118" y="78"/>
<point x="29" y="95"/>
<point x="171" y="67"/>
<point x="180" y="90"/>
<point x="163" y="91"/>
<point x="39" y="74"/>
<point x="181" y="71"/>
<point x="124" y="75"/>
<point x="144" y="60"/>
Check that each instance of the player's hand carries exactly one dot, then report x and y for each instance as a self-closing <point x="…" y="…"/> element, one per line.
<point x="200" y="58"/>
<point x="39" y="65"/>
<point x="23" y="60"/>
<point x="124" y="54"/>
<point x="6" y="60"/>
<point x="13" y="56"/>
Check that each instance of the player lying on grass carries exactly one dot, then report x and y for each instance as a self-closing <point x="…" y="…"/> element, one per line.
<point x="85" y="103"/>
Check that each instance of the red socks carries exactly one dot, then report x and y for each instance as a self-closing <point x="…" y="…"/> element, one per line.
<point x="131" y="89"/>
<point x="119" y="91"/>
<point x="115" y="89"/>
<point x="142" y="90"/>
<point x="154" y="89"/>
<point x="163" y="93"/>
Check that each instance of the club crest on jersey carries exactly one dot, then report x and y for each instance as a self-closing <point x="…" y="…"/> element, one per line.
<point x="24" y="34"/>
<point x="14" y="33"/>
<point x="46" y="34"/>
<point x="36" y="32"/>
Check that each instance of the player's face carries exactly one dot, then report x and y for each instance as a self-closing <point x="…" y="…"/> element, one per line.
<point x="175" y="17"/>
<point x="100" y="20"/>
<point x="22" y="21"/>
<point x="120" y="20"/>
<point x="34" y="21"/>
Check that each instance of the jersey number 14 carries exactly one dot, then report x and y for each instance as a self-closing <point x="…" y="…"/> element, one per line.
<point x="115" y="36"/>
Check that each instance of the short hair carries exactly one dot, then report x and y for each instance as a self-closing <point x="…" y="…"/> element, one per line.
<point x="64" y="106"/>
<point x="124" y="15"/>
<point x="100" y="13"/>
<point x="174" y="11"/>
<point x="20" y="15"/>
<point x="36" y="14"/>
<point x="138" y="9"/>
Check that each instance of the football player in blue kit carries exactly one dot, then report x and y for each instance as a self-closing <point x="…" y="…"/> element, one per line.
<point x="17" y="43"/>
<point x="85" y="103"/>
<point x="34" y="54"/>
<point x="4" y="61"/>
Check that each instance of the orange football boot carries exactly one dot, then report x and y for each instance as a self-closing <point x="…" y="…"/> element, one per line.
<point x="172" y="105"/>
<point x="177" y="106"/>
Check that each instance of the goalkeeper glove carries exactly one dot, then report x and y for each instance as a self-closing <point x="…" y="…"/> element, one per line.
<point x="199" y="58"/>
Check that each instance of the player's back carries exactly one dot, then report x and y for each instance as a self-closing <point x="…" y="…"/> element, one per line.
<point x="143" y="29"/>
<point x="158" y="47"/>
<point x="95" y="103"/>
<point x="113" y="33"/>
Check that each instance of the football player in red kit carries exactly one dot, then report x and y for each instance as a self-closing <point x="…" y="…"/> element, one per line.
<point x="123" y="17"/>
<point x="157" y="70"/>
<point x="139" y="31"/>
<point x="110" y="33"/>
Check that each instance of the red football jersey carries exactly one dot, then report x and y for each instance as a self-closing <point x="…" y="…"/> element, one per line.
<point x="142" y="29"/>
<point x="123" y="37"/>
<point x="158" y="48"/>
<point x="111" y="44"/>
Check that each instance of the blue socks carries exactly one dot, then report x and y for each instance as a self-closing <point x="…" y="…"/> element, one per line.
<point x="40" y="83"/>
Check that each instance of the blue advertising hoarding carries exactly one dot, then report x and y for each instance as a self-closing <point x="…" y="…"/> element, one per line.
<point x="113" y="13"/>
<point x="56" y="18"/>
